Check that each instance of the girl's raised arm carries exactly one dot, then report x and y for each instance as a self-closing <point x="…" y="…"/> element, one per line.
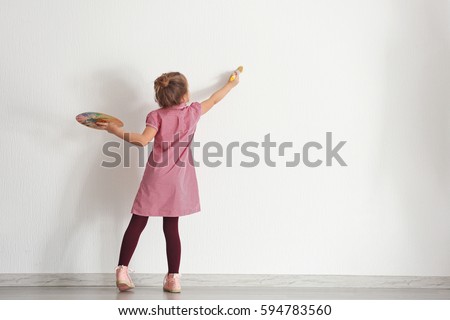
<point x="219" y="94"/>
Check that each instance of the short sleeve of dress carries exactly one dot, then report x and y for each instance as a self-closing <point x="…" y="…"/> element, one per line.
<point x="153" y="120"/>
<point x="196" y="108"/>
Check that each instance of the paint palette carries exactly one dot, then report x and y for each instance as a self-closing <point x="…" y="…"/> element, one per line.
<point x="90" y="119"/>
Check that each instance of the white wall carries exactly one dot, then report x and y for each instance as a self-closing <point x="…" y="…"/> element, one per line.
<point x="375" y="73"/>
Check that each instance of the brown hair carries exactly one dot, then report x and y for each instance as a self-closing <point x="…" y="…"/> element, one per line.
<point x="170" y="88"/>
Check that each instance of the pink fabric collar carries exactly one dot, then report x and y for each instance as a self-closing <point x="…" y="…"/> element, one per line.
<point x="179" y="106"/>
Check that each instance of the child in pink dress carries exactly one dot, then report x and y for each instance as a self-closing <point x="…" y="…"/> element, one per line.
<point x="169" y="185"/>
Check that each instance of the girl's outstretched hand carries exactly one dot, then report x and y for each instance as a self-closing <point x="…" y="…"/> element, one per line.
<point x="235" y="82"/>
<point x="108" y="126"/>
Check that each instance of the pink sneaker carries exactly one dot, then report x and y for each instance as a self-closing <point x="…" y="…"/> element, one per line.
<point x="172" y="282"/>
<point x="123" y="279"/>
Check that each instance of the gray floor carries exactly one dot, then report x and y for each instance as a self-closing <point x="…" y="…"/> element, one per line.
<point x="220" y="293"/>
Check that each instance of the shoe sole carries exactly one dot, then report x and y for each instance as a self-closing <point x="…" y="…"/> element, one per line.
<point x="172" y="291"/>
<point x="123" y="286"/>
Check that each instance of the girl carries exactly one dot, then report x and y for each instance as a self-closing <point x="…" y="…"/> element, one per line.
<point x="169" y="185"/>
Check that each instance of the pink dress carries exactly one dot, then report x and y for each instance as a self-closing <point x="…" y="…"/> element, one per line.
<point x="169" y="185"/>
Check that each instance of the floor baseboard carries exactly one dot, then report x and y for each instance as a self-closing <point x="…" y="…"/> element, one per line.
<point x="226" y="280"/>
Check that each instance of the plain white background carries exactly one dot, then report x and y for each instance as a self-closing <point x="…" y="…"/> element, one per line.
<point x="375" y="73"/>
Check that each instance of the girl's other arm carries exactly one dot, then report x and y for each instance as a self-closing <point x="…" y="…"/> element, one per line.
<point x="219" y="94"/>
<point x="138" y="139"/>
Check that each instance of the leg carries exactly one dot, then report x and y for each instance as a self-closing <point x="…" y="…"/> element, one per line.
<point x="173" y="244"/>
<point x="131" y="238"/>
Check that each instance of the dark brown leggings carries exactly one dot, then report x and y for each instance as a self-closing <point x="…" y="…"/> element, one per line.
<point x="133" y="232"/>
